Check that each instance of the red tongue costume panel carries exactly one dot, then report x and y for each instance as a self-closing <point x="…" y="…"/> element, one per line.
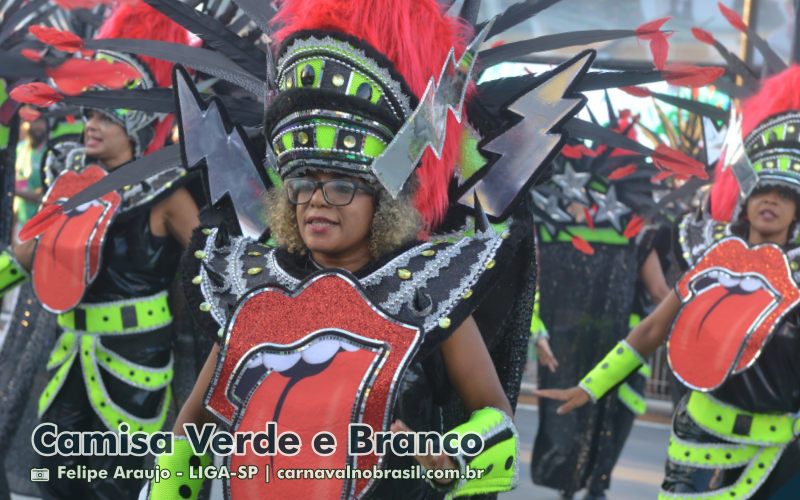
<point x="67" y="257"/>
<point x="356" y="384"/>
<point x="732" y="301"/>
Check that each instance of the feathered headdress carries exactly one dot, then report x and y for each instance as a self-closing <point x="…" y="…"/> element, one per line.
<point x="371" y="60"/>
<point x="137" y="20"/>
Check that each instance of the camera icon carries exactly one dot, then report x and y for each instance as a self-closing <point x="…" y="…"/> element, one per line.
<point x="40" y="475"/>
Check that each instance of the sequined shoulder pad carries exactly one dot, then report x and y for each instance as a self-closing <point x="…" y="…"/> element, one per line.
<point x="437" y="285"/>
<point x="433" y="285"/>
<point x="697" y="234"/>
<point x="222" y="268"/>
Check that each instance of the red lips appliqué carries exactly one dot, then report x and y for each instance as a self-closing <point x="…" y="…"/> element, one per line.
<point x="67" y="257"/>
<point x="732" y="300"/>
<point x="316" y="361"/>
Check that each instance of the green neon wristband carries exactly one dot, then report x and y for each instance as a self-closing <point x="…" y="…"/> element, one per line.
<point x="618" y="364"/>
<point x="11" y="272"/>
<point x="498" y="460"/>
<point x="182" y="461"/>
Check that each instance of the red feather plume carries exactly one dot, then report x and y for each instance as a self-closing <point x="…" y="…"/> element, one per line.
<point x="139" y="20"/>
<point x="65" y="41"/>
<point x="36" y="93"/>
<point x="77" y="75"/>
<point x="416" y="37"/>
<point x="582" y="245"/>
<point x="777" y="94"/>
<point x="733" y="17"/>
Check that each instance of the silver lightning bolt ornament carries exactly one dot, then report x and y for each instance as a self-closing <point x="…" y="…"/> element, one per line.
<point x="427" y="125"/>
<point x="208" y="136"/>
<point x="530" y="142"/>
<point x="735" y="156"/>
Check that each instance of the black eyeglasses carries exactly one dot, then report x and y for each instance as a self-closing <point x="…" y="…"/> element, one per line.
<point x="337" y="192"/>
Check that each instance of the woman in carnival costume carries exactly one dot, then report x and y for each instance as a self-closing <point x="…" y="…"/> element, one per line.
<point x="731" y="322"/>
<point x="350" y="318"/>
<point x="590" y="233"/>
<point x="104" y="268"/>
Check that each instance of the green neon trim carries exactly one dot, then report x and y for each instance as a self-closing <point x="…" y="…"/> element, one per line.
<point x="720" y="418"/>
<point x="598" y="186"/>
<point x="5" y="132"/>
<point x="325" y="136"/>
<point x="373" y="147"/>
<point x="53" y="387"/>
<point x="537" y="326"/>
<point x="144" y="377"/>
<point x="288" y="141"/>
<point x="471" y="160"/>
<point x="317" y="64"/>
<point x="274" y="177"/>
<point x="65" y="128"/>
<point x="11" y="272"/>
<point x="109" y="412"/>
<point x="620" y="362"/>
<point x="151" y="313"/>
<point x="634" y="320"/>
<point x="66" y="345"/>
<point x="646" y="371"/>
<point x="710" y="456"/>
<point x="183" y="461"/>
<point x="606" y="235"/>
<point x="749" y="481"/>
<point x="632" y="399"/>
<point x="356" y="79"/>
<point x="499" y="460"/>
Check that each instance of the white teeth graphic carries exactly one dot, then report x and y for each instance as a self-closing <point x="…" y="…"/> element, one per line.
<point x="750" y="284"/>
<point x="255" y="360"/>
<point x="728" y="281"/>
<point x="280" y="362"/>
<point x="713" y="274"/>
<point x="320" y="351"/>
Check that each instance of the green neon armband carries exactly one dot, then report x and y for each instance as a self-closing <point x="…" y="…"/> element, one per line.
<point x="181" y="461"/>
<point x="495" y="468"/>
<point x="613" y="369"/>
<point x="11" y="272"/>
<point x="538" y="328"/>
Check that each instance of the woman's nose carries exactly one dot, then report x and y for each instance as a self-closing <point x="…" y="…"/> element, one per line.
<point x="318" y="197"/>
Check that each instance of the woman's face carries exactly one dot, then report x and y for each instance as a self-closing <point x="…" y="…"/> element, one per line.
<point x="338" y="232"/>
<point x="771" y="212"/>
<point x="106" y="140"/>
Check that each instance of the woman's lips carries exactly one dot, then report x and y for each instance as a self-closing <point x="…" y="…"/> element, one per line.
<point x="319" y="225"/>
<point x="767" y="214"/>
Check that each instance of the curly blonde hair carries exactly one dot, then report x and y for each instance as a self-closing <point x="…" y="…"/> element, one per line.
<point x="394" y="223"/>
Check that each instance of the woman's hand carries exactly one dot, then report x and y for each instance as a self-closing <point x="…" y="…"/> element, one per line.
<point x="575" y="397"/>
<point x="545" y="354"/>
<point x="430" y="462"/>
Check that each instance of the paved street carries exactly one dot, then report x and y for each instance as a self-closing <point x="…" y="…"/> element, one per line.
<point x="638" y="473"/>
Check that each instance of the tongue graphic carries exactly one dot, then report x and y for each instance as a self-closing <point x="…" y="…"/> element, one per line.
<point x="709" y="332"/>
<point x="325" y="401"/>
<point x="67" y="257"/>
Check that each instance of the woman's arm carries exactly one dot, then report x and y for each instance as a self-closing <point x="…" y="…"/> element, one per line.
<point x="471" y="370"/>
<point x="193" y="410"/>
<point x="177" y="215"/>
<point x="652" y="276"/>
<point x="23" y="252"/>
<point x="645" y="339"/>
<point x="472" y="373"/>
